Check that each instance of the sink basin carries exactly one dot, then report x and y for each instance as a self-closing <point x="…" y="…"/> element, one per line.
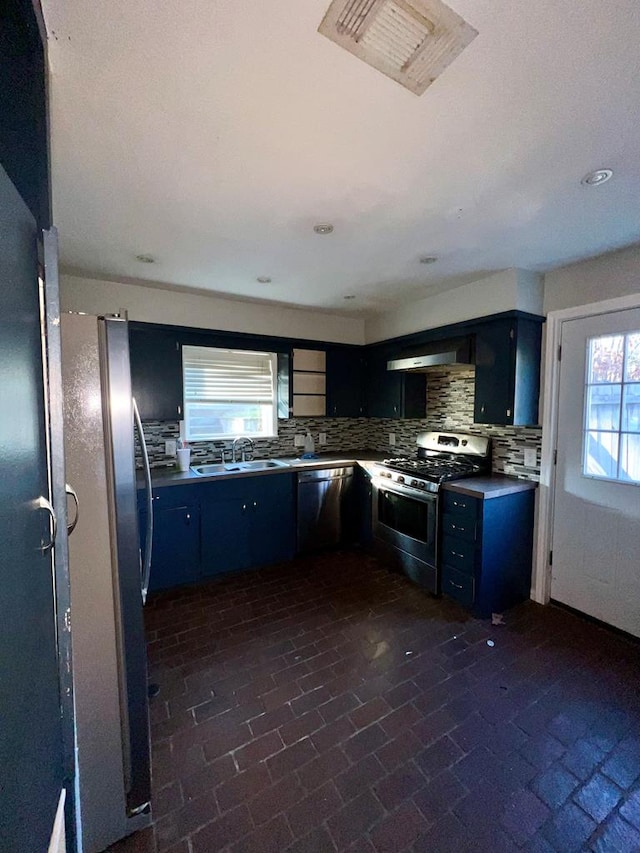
<point x="206" y="470"/>
<point x="262" y="464"/>
<point x="230" y="467"/>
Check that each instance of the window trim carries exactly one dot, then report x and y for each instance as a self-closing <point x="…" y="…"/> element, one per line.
<point x="273" y="430"/>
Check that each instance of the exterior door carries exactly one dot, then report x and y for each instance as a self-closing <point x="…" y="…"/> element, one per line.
<point x="596" y="518"/>
<point x="31" y="774"/>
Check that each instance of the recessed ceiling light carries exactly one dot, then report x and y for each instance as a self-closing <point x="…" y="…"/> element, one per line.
<point x="428" y="259"/>
<point x="350" y="296"/>
<point x="594" y="179"/>
<point x="263" y="279"/>
<point x="323" y="228"/>
<point x="146" y="259"/>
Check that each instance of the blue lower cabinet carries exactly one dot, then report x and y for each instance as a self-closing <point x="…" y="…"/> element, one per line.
<point x="486" y="550"/>
<point x="247" y="522"/>
<point x="176" y="546"/>
<point x="225" y="539"/>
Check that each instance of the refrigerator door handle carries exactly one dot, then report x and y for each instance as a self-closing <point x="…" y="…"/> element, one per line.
<point x="72" y="494"/>
<point x="148" y="544"/>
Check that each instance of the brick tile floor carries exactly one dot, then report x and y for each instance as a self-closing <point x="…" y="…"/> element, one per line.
<point x="330" y="705"/>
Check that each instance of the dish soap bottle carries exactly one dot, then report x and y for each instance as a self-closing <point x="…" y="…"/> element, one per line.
<point x="309" y="446"/>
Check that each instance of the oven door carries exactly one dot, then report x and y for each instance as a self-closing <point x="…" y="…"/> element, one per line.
<point x="406" y="520"/>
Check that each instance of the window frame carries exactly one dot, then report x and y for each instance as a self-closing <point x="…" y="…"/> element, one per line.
<point x="214" y="436"/>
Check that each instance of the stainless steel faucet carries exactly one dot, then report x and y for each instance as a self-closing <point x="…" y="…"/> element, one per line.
<point x="248" y="446"/>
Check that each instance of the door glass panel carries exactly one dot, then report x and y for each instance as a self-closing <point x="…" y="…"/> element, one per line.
<point x="611" y="427"/>
<point x="603" y="407"/>
<point x="606" y="357"/>
<point x="632" y="360"/>
<point x="601" y="456"/>
<point x="631" y="408"/>
<point x="630" y="458"/>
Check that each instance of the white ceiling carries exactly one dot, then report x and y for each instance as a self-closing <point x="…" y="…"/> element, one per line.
<point x="213" y="135"/>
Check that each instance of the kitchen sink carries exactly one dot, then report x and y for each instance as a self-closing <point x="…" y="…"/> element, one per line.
<point x="262" y="464"/>
<point x="206" y="470"/>
<point x="230" y="467"/>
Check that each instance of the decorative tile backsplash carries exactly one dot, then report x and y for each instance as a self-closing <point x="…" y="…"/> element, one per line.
<point x="450" y="395"/>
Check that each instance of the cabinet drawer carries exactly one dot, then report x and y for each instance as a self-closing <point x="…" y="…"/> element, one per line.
<point x="458" y="585"/>
<point x="462" y="528"/>
<point x="459" y="553"/>
<point x="459" y="506"/>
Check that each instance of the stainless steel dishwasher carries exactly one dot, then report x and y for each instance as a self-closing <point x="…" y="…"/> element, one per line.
<point x="322" y="503"/>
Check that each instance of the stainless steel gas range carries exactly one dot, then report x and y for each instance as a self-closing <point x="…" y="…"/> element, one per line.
<point x="406" y="502"/>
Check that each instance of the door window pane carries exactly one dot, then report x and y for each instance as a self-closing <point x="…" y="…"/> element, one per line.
<point x="603" y="407"/>
<point x="632" y="359"/>
<point x="630" y="458"/>
<point x="631" y="408"/>
<point x="612" y="408"/>
<point x="606" y="357"/>
<point x="601" y="454"/>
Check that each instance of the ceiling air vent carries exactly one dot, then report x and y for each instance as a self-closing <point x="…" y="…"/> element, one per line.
<point x="411" y="41"/>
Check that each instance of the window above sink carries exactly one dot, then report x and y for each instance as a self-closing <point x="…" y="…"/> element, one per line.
<point x="229" y="393"/>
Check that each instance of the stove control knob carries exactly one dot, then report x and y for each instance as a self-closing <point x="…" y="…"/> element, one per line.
<point x="423" y="485"/>
<point x="400" y="479"/>
<point x="413" y="483"/>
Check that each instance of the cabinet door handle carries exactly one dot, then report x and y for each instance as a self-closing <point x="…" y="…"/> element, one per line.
<point x="43" y="503"/>
<point x="72" y="494"/>
<point x="456" y="527"/>
<point x="457" y="585"/>
<point x="255" y="504"/>
<point x="482" y="409"/>
<point x="458" y="554"/>
<point x="188" y="518"/>
<point x="460" y="504"/>
<point x="244" y="507"/>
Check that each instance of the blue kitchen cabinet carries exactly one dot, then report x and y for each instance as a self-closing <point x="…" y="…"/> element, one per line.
<point x="486" y="550"/>
<point x="247" y="522"/>
<point x="345" y="368"/>
<point x="176" y="536"/>
<point x="392" y="394"/>
<point x="156" y="372"/>
<point x="176" y="547"/>
<point x="507" y="378"/>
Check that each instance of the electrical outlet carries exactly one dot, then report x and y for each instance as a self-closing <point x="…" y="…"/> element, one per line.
<point x="298" y="441"/>
<point x="530" y="457"/>
<point x="170" y="447"/>
<point x="322" y="438"/>
<point x="392" y="439"/>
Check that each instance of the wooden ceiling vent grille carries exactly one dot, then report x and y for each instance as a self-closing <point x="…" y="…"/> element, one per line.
<point x="411" y="41"/>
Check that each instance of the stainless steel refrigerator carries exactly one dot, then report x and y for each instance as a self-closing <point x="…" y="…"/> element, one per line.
<point x="108" y="583"/>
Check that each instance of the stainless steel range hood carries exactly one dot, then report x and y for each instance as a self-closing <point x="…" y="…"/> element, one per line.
<point x="449" y="353"/>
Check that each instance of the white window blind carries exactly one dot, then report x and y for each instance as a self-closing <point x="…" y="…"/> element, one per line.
<point x="228" y="392"/>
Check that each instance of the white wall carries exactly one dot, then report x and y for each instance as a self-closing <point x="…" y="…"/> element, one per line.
<point x="185" y="308"/>
<point x="605" y="277"/>
<point x="504" y="291"/>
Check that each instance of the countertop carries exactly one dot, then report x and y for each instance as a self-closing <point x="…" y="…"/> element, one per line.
<point x="495" y="486"/>
<point x="171" y="477"/>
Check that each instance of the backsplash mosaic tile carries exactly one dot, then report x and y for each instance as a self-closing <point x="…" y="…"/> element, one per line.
<point x="449" y="407"/>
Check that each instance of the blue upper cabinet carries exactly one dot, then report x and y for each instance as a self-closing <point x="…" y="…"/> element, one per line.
<point x="345" y="382"/>
<point x="156" y="372"/>
<point x="507" y="383"/>
<point x="391" y="394"/>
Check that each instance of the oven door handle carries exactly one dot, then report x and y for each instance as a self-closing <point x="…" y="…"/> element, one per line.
<point x="383" y="485"/>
